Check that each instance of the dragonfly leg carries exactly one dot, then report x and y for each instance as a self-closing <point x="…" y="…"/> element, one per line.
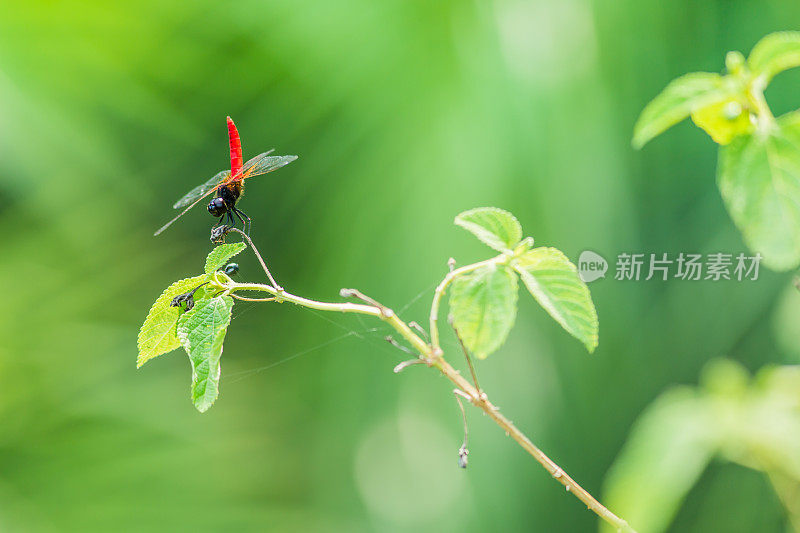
<point x="231" y="219"/>
<point x="239" y="213"/>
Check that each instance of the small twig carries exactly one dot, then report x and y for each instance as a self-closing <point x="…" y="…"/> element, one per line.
<point x="411" y="362"/>
<point x="355" y="293"/>
<point x="442" y="287"/>
<point x="419" y="329"/>
<point x="463" y="452"/>
<point x="451" y="264"/>
<point x="397" y="345"/>
<point x="482" y="395"/>
<point x="260" y="260"/>
<point x="246" y="299"/>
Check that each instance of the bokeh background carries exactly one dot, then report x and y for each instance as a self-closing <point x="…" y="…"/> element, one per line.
<point x="404" y="113"/>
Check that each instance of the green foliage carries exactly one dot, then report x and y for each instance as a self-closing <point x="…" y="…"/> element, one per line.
<point x="759" y="178"/>
<point x="703" y="94"/>
<point x="483" y="305"/>
<point x="755" y="423"/>
<point x="554" y="281"/>
<point x="158" y="335"/>
<point x="221" y="254"/>
<point x="775" y="53"/>
<point x="759" y="161"/>
<point x="201" y="332"/>
<point x="483" y="302"/>
<point x="724" y="120"/>
<point x="667" y="452"/>
<point x="494" y="227"/>
<point x="686" y="95"/>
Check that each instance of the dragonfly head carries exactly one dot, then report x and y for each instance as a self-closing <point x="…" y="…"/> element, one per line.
<point x="217" y="207"/>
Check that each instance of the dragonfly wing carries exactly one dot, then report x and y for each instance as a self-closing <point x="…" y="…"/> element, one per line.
<point x="179" y="215"/>
<point x="263" y="163"/>
<point x="201" y="190"/>
<point x="194" y="196"/>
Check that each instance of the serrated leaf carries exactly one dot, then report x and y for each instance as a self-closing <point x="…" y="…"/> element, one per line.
<point x="554" y="281"/>
<point x="669" y="448"/>
<point x="483" y="305"/>
<point x="759" y="178"/>
<point x="492" y="226"/>
<point x="221" y="254"/>
<point x="201" y="332"/>
<point x="682" y="97"/>
<point x="775" y="53"/>
<point x="157" y="335"/>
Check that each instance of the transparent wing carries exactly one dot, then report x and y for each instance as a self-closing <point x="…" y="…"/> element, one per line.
<point x="191" y="198"/>
<point x="263" y="163"/>
<point x="249" y="164"/>
<point x="202" y="190"/>
<point x="179" y="215"/>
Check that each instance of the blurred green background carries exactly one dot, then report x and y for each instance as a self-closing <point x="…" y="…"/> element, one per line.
<point x="404" y="113"/>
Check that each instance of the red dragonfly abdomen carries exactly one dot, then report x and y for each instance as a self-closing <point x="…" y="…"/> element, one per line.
<point x="236" y="150"/>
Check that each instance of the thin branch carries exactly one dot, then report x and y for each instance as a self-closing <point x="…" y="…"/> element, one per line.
<point x="390" y="340"/>
<point x="467" y="357"/>
<point x="405" y="364"/>
<point x="419" y="329"/>
<point x="432" y="355"/>
<point x="258" y="256"/>
<point x="245" y="299"/>
<point x="463" y="452"/>
<point x="439" y="292"/>
<point x="555" y="471"/>
<point x="765" y="119"/>
<point x="355" y="293"/>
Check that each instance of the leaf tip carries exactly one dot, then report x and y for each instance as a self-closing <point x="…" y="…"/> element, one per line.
<point x="591" y="345"/>
<point x="637" y="142"/>
<point x="495" y="227"/>
<point x="203" y="407"/>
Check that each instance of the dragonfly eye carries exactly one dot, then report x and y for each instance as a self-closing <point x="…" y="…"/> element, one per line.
<point x="217" y="207"/>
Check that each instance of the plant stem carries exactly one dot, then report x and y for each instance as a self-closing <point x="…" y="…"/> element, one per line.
<point x="766" y="120"/>
<point x="480" y="401"/>
<point x="440" y="290"/>
<point x="258" y="256"/>
<point x="432" y="354"/>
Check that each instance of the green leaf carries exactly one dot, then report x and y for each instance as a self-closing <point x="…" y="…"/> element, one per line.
<point x="775" y="53"/>
<point x="201" y="332"/>
<point x="726" y="120"/>
<point x="157" y="335"/>
<point x="483" y="305"/>
<point x="669" y="447"/>
<point x="554" y="281"/>
<point x="759" y="178"/>
<point x="221" y="254"/>
<point x="492" y="226"/>
<point x="682" y="97"/>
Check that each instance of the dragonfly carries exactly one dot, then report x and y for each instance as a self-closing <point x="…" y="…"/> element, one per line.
<point x="228" y="185"/>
